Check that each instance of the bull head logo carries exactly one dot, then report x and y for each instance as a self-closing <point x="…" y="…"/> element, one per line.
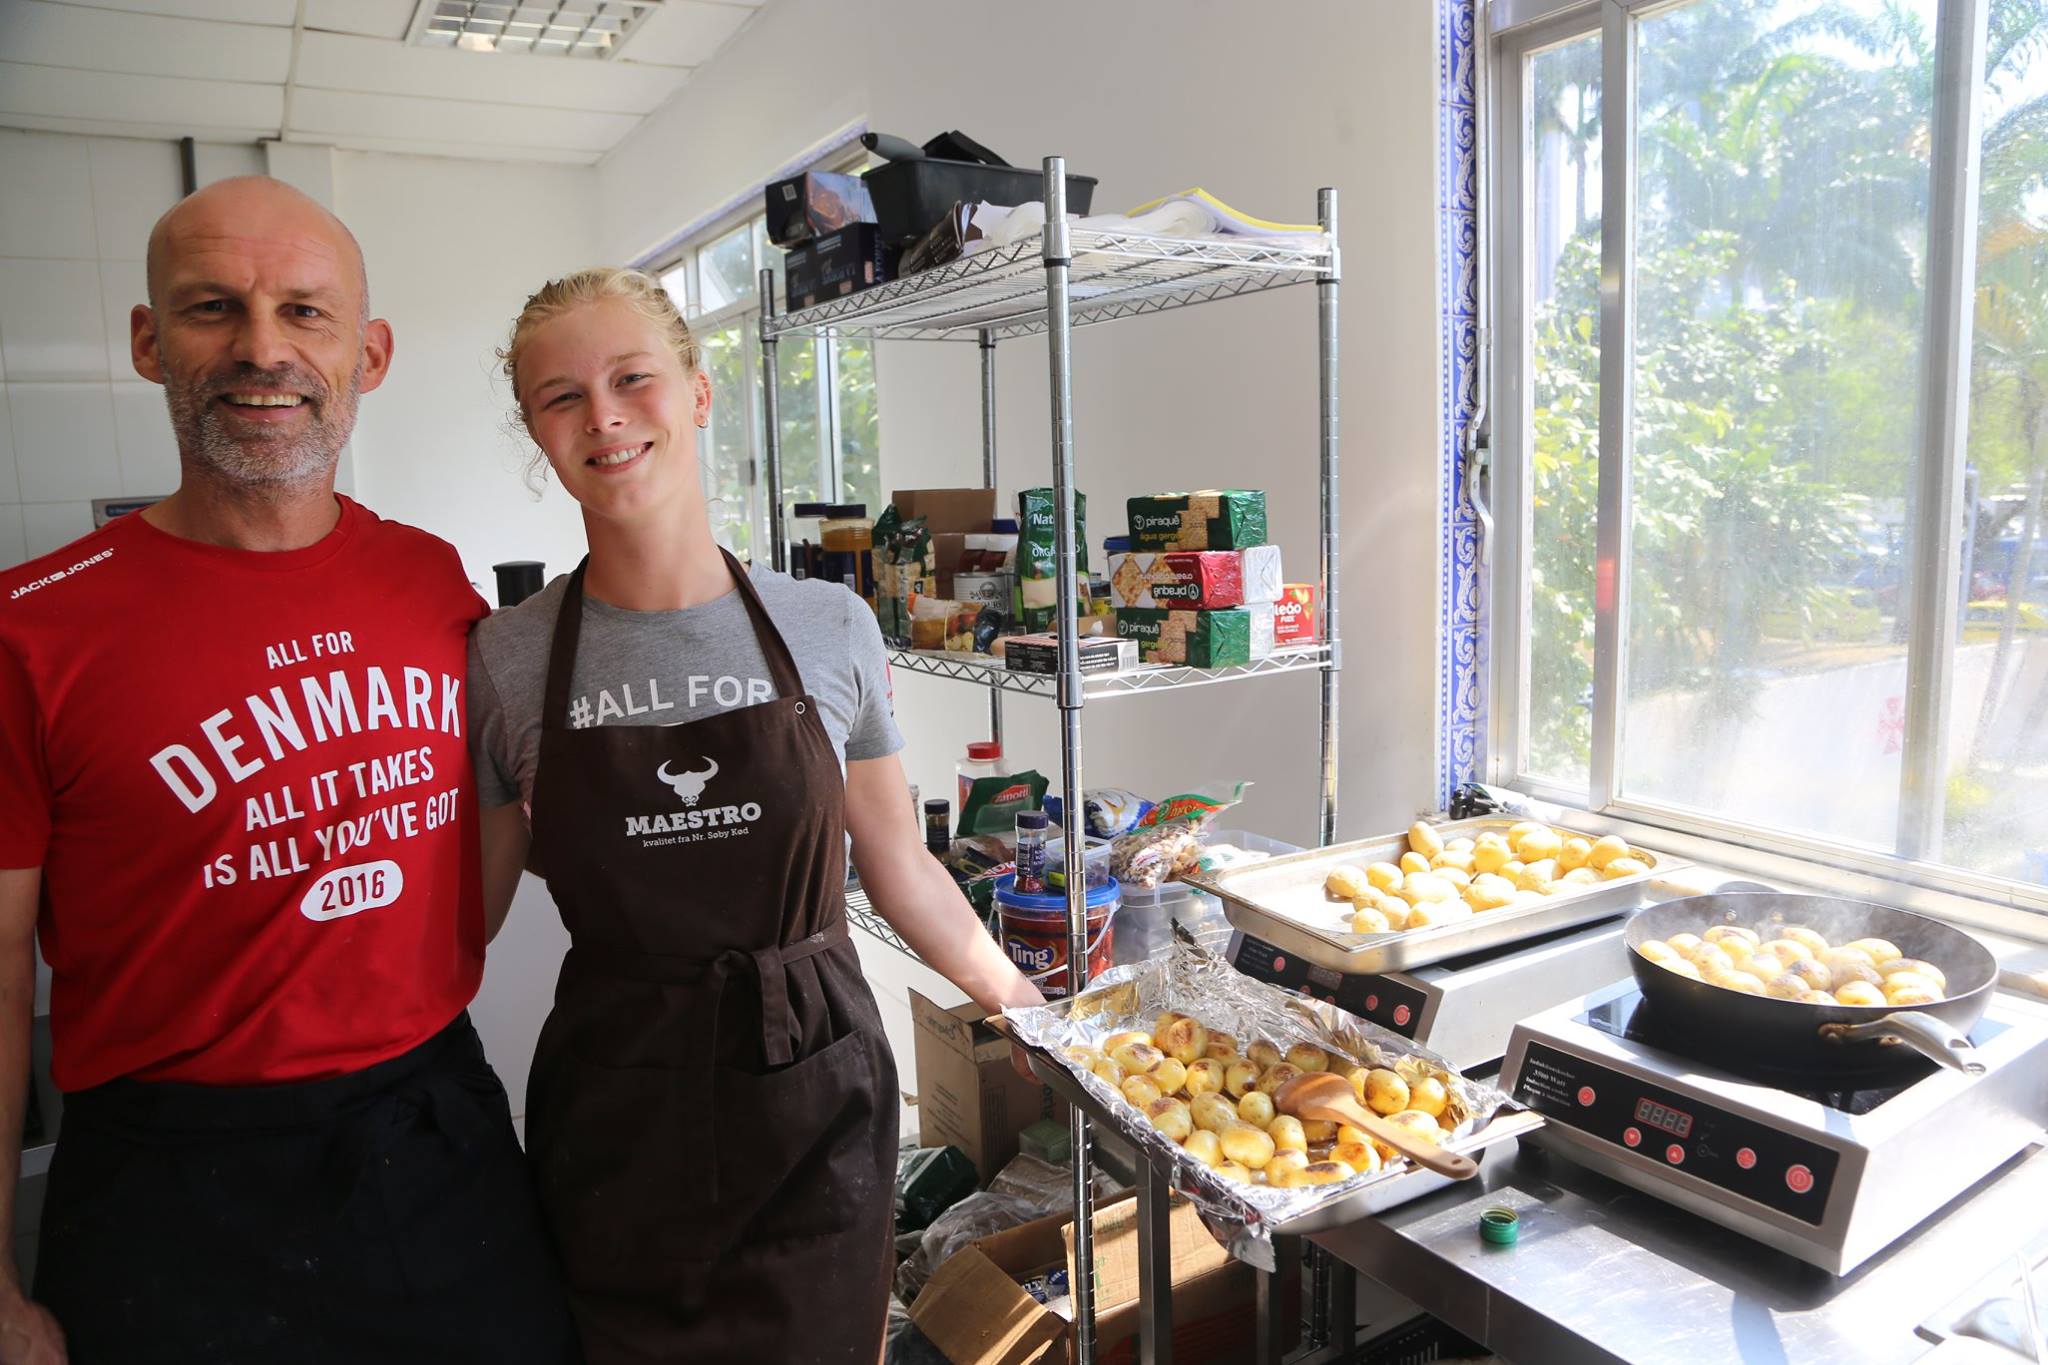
<point x="688" y="786"/>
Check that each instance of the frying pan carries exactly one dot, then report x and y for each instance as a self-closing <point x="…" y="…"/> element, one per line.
<point x="1821" y="1044"/>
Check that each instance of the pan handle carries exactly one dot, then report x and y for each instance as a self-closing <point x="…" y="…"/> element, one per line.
<point x="1924" y="1033"/>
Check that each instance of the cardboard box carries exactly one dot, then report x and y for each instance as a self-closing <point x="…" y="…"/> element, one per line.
<point x="814" y="204"/>
<point x="948" y="509"/>
<point x="843" y="262"/>
<point x="1041" y="654"/>
<point x="1294" y="616"/>
<point x="974" y="1313"/>
<point x="968" y="1096"/>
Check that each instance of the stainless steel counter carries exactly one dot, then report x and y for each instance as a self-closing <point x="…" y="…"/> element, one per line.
<point x="1603" y="1273"/>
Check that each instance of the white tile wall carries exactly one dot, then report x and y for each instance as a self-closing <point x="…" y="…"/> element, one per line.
<point x="10" y="486"/>
<point x="143" y="438"/>
<point x="47" y="209"/>
<point x="51" y="322"/>
<point x="48" y="526"/>
<point x="123" y="284"/>
<point x="76" y="423"/>
<point x="132" y="184"/>
<point x="64" y="441"/>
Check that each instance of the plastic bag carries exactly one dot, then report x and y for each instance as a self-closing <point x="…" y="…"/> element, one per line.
<point x="975" y="1217"/>
<point x="1167" y="843"/>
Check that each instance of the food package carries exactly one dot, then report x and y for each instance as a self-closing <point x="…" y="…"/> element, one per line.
<point x="985" y="589"/>
<point x="1105" y="811"/>
<point x="1200" y="639"/>
<point x="1195" y="578"/>
<point x="930" y="1180"/>
<point x="1038" y="556"/>
<point x="992" y="803"/>
<point x="843" y="262"/>
<point x="1216" y="519"/>
<point x="1191" y="981"/>
<point x="929" y="619"/>
<point x="1294" y="615"/>
<point x="810" y="205"/>
<point x="1041" y="654"/>
<point x="1167" y="842"/>
<point x="960" y="625"/>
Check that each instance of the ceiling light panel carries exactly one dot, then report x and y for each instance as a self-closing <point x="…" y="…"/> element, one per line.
<point x="593" y="29"/>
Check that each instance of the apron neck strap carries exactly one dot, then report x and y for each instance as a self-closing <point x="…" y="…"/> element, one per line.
<point x="569" y="629"/>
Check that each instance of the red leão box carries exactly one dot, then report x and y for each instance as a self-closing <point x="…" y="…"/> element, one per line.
<point x="1294" y="616"/>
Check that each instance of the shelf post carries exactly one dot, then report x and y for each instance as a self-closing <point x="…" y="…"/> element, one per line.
<point x="771" y="429"/>
<point x="1059" y="337"/>
<point x="988" y="480"/>
<point x="1326" y="346"/>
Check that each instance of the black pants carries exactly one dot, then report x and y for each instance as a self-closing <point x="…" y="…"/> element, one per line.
<point x="385" y="1216"/>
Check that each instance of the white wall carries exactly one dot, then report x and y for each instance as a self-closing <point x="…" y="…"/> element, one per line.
<point x="453" y="250"/>
<point x="1151" y="96"/>
<point x="76" y="421"/>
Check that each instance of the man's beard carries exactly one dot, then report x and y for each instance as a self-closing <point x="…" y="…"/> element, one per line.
<point x="249" y="455"/>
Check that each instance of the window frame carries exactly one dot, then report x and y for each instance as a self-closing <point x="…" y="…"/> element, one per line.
<point x="1517" y="30"/>
<point x="686" y="255"/>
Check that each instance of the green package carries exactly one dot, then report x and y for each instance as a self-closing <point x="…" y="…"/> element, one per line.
<point x="992" y="803"/>
<point x="1038" y="557"/>
<point x="1199" y="639"/>
<point x="1216" y="519"/>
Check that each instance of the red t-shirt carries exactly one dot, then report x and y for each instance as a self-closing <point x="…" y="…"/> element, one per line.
<point x="245" y="779"/>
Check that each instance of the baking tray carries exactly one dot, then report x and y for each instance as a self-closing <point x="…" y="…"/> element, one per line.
<point x="1194" y="981"/>
<point x="1282" y="902"/>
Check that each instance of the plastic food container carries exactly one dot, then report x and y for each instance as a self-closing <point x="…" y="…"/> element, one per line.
<point x="1145" y="924"/>
<point x="984" y="759"/>
<point x="1033" y="931"/>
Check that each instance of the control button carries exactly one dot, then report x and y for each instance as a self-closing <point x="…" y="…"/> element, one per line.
<point x="1402" y="1014"/>
<point x="1799" y="1180"/>
<point x="1675" y="1154"/>
<point x="1372" y="1002"/>
<point x="1585" y="1097"/>
<point x="1632" y="1136"/>
<point x="1279" y="963"/>
<point x="1745" y="1157"/>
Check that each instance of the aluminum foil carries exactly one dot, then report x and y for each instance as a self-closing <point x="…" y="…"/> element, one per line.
<point x="1191" y="980"/>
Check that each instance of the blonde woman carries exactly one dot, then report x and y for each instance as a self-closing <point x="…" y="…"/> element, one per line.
<point x="712" y="1111"/>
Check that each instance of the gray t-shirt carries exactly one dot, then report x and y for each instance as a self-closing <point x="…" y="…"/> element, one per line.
<point x="671" y="667"/>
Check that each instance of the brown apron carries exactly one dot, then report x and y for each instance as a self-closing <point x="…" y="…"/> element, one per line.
<point x="712" y="1110"/>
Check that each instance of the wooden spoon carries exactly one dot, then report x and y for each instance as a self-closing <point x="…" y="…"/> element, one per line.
<point x="1320" y="1095"/>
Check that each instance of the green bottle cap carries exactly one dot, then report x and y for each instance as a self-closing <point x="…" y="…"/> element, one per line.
<point x="1500" y="1226"/>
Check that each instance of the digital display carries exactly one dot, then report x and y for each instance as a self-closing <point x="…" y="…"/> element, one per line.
<point x="1657" y="1116"/>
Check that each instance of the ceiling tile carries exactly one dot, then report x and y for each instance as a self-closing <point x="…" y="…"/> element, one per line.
<point x="684" y="33"/>
<point x="319" y="112"/>
<point x="100" y="99"/>
<point x="371" y="18"/>
<point x="103" y="40"/>
<point x="339" y="62"/>
<point x="275" y="12"/>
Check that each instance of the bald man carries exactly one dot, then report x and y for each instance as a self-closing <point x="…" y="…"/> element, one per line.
<point x="236" y="803"/>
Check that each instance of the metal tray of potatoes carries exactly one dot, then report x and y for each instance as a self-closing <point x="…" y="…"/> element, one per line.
<point x="1282" y="902"/>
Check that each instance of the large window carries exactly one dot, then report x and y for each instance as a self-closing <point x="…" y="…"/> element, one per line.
<point x="1771" y="422"/>
<point x="826" y="391"/>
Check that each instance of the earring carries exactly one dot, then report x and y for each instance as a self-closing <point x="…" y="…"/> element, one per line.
<point x="702" y="426"/>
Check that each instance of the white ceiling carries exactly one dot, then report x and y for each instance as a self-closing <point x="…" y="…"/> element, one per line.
<point x="337" y="72"/>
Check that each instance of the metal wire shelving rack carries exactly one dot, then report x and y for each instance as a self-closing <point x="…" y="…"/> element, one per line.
<point x="1048" y="284"/>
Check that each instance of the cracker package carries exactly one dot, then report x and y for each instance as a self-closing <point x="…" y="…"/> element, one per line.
<point x="1038" y="557"/>
<point x="1212" y="579"/>
<point x="1216" y="519"/>
<point x="1199" y="639"/>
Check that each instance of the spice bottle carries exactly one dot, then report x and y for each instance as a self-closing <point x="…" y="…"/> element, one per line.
<point x="1031" y="850"/>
